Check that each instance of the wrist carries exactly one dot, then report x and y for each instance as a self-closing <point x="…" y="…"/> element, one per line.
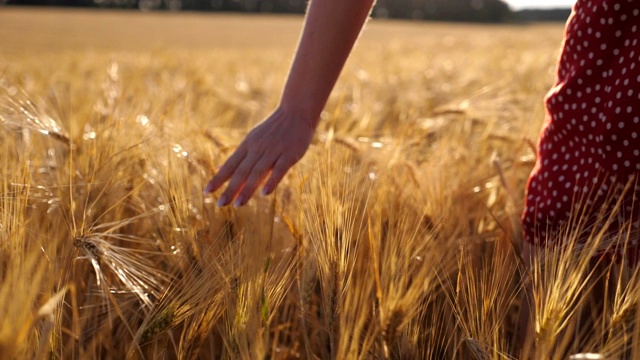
<point x="299" y="112"/>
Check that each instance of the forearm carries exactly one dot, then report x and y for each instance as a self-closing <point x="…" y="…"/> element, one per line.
<point x="271" y="148"/>
<point x="330" y="30"/>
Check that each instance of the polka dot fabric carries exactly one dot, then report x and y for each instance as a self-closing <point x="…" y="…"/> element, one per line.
<point x="590" y="143"/>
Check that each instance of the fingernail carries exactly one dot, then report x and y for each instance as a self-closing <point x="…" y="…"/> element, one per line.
<point x="239" y="202"/>
<point x="222" y="201"/>
<point x="265" y="191"/>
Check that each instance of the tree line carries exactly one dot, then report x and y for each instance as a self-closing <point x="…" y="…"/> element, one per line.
<point x="489" y="11"/>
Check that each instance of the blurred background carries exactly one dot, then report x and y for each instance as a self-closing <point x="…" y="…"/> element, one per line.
<point x="489" y="11"/>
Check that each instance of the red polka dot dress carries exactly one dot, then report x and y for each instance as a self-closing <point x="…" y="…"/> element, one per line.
<point x="589" y="147"/>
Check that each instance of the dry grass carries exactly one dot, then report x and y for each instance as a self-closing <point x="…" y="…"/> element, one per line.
<point x="394" y="238"/>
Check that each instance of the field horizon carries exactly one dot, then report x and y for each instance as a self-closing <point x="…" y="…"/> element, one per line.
<point x="40" y="30"/>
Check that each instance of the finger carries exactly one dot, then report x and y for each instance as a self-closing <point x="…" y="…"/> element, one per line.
<point x="225" y="171"/>
<point x="279" y="170"/>
<point x="257" y="175"/>
<point x="238" y="179"/>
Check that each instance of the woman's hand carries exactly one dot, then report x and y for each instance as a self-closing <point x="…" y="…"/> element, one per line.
<point x="273" y="146"/>
<point x="331" y="28"/>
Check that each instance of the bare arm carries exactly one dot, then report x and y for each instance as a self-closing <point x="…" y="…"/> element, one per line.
<point x="330" y="30"/>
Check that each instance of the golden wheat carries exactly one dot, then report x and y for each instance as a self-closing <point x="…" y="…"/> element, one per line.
<point x="397" y="236"/>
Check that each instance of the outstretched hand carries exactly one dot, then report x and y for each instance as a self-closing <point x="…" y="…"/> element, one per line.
<point x="330" y="29"/>
<point x="273" y="146"/>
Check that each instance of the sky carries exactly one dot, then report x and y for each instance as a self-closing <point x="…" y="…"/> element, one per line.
<point x="519" y="4"/>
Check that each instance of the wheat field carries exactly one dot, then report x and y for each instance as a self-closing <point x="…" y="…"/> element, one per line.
<point x="396" y="237"/>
